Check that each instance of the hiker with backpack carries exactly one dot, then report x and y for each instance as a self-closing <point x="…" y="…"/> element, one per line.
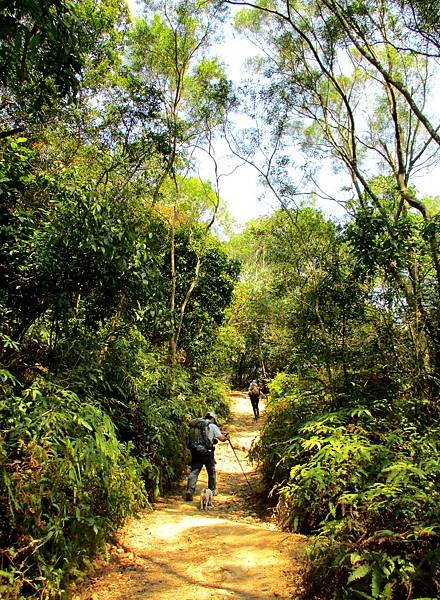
<point x="203" y="435"/>
<point x="255" y="393"/>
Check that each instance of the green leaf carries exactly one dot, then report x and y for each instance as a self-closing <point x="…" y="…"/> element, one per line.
<point x="359" y="573"/>
<point x="387" y="593"/>
<point x="375" y="583"/>
<point x="84" y="423"/>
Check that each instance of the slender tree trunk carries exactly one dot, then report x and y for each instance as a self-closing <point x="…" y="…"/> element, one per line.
<point x="173" y="337"/>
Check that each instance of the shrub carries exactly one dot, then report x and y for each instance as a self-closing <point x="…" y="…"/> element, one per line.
<point x="326" y="459"/>
<point x="66" y="485"/>
<point x="387" y="543"/>
<point x="151" y="405"/>
<point x="283" y="385"/>
<point x="365" y="481"/>
<point x="286" y="410"/>
<point x="210" y="393"/>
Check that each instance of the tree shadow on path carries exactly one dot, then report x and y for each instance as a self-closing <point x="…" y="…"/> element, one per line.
<point x="176" y="551"/>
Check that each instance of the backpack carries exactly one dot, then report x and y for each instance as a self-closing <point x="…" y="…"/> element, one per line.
<point x="254" y="390"/>
<point x="198" y="436"/>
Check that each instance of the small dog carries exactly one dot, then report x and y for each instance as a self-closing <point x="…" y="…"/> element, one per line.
<point x="205" y="499"/>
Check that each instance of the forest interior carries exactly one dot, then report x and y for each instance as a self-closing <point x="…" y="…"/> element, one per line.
<point x="131" y="303"/>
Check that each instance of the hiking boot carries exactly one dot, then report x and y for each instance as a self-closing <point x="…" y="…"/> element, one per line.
<point x="188" y="496"/>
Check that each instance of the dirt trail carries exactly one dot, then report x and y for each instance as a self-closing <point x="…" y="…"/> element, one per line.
<point x="176" y="551"/>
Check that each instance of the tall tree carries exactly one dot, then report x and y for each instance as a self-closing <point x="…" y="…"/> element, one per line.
<point x="352" y="83"/>
<point x="170" y="48"/>
<point x="44" y="49"/>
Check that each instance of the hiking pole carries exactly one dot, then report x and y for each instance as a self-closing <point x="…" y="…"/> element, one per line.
<point x="241" y="467"/>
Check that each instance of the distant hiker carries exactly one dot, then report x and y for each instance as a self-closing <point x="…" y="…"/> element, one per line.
<point x="203" y="435"/>
<point x="255" y="393"/>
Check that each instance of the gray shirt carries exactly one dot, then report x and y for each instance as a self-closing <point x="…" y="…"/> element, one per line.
<point x="214" y="431"/>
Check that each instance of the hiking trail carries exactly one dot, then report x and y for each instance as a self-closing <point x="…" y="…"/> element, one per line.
<point x="176" y="551"/>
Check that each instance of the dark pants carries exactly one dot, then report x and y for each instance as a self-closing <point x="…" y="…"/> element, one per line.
<point x="198" y="461"/>
<point x="254" y="401"/>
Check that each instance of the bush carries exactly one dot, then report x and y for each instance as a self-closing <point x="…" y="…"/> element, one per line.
<point x="287" y="409"/>
<point x="386" y="544"/>
<point x="326" y="459"/>
<point x="66" y="485"/>
<point x="151" y="405"/>
<point x="283" y="385"/>
<point x="210" y="393"/>
<point x="365" y="481"/>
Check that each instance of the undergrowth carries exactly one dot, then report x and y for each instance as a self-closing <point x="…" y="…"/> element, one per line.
<point x="66" y="484"/>
<point x="364" y="482"/>
<point x="74" y="465"/>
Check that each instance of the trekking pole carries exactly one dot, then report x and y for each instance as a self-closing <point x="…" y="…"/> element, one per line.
<point x="242" y="470"/>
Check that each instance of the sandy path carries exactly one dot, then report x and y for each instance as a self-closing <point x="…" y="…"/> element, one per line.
<point x="176" y="551"/>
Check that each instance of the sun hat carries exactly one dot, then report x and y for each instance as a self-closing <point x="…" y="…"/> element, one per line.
<point x="211" y="415"/>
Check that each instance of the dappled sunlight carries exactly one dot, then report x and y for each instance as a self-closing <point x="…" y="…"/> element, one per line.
<point x="231" y="556"/>
<point x="171" y="529"/>
<point x="229" y="469"/>
<point x="177" y="551"/>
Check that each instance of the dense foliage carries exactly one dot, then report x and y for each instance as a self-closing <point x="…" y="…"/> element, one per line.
<point x="122" y="315"/>
<point x="113" y="286"/>
<point x="66" y="485"/>
<point x="349" y="453"/>
<point x="350" y="449"/>
<point x="364" y="480"/>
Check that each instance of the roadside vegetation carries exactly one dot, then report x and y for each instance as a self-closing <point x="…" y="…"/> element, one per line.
<point x="344" y="319"/>
<point x="113" y="284"/>
<point x="349" y="453"/>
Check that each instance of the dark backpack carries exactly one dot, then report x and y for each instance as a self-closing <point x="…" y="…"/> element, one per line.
<point x="198" y="436"/>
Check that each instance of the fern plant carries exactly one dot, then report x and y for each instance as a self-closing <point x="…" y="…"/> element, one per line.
<point x="66" y="484"/>
<point x="365" y="482"/>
